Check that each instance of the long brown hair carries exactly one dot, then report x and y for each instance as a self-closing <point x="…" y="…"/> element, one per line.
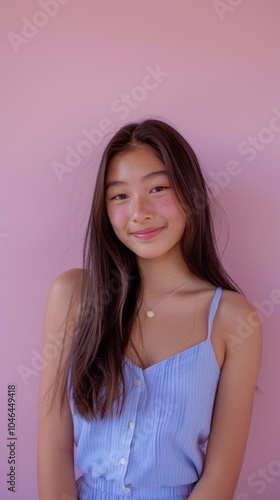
<point x="111" y="286"/>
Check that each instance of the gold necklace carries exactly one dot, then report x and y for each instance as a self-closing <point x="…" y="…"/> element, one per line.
<point x="151" y="311"/>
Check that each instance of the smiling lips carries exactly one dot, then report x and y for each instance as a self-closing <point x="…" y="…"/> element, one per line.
<point x="147" y="234"/>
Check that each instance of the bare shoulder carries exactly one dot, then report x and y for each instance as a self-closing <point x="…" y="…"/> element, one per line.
<point x="67" y="286"/>
<point x="240" y="325"/>
<point x="233" y="303"/>
<point x="55" y="425"/>
<point x="67" y="282"/>
<point x="63" y="302"/>
<point x="240" y="321"/>
<point x="60" y="323"/>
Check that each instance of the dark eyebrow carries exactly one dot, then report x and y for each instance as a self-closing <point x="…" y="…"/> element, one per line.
<point x="147" y="176"/>
<point x="154" y="174"/>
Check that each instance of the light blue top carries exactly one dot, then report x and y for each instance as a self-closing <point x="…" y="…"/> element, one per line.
<point x="156" y="448"/>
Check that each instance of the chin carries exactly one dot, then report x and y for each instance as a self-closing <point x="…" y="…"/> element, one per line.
<point x="153" y="256"/>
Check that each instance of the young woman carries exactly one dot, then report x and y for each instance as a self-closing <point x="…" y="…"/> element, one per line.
<point x="149" y="368"/>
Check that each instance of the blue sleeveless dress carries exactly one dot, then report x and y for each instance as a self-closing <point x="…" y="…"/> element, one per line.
<point x="156" y="448"/>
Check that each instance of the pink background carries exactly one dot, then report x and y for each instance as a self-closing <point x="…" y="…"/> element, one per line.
<point x="219" y="85"/>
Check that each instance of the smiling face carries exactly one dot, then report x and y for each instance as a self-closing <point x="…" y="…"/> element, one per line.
<point x="141" y="205"/>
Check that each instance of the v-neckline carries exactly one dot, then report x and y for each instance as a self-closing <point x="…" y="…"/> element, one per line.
<point x="188" y="349"/>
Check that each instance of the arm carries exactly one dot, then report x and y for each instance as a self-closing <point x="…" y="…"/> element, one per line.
<point x="234" y="400"/>
<point x="56" y="479"/>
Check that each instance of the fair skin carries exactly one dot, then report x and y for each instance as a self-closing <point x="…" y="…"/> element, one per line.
<point x="148" y="219"/>
<point x="55" y="431"/>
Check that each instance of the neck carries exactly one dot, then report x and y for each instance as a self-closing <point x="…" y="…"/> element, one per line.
<point x="161" y="276"/>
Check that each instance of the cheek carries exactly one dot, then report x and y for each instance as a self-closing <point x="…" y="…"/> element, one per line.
<point x="117" y="217"/>
<point x="170" y="207"/>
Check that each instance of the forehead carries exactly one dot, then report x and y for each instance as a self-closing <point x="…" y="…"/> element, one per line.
<point x="134" y="163"/>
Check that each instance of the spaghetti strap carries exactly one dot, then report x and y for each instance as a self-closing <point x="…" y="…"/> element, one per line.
<point x="213" y="309"/>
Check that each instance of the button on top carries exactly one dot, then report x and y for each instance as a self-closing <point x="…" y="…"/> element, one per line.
<point x="123" y="461"/>
<point x="131" y="425"/>
<point x="127" y="490"/>
<point x="137" y="381"/>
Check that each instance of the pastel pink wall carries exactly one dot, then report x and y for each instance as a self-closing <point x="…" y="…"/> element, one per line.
<point x="210" y="68"/>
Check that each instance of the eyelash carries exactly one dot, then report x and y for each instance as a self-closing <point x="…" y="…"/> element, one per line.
<point x="116" y="197"/>
<point x="162" y="188"/>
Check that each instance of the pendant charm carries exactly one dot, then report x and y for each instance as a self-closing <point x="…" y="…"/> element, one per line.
<point x="150" y="313"/>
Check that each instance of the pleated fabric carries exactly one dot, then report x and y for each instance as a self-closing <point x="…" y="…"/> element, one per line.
<point x="156" y="448"/>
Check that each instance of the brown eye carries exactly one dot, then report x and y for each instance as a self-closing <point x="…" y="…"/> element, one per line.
<point x="157" y="189"/>
<point x="119" y="197"/>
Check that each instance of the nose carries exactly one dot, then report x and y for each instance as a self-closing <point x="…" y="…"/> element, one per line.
<point x="141" y="209"/>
